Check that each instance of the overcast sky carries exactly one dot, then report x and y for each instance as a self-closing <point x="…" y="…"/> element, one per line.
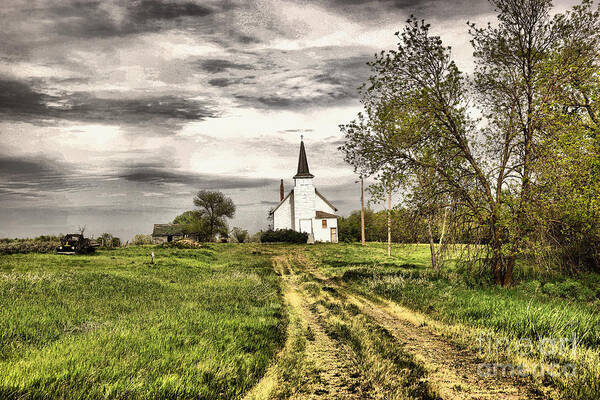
<point x="114" y="113"/>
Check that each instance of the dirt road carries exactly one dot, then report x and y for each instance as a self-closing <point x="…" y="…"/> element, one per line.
<point x="343" y="345"/>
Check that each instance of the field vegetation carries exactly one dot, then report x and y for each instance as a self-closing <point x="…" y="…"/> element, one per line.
<point x="201" y="323"/>
<point x="280" y="321"/>
<point x="539" y="306"/>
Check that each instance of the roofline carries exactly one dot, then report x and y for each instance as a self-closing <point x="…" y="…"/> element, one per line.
<point x="284" y="199"/>
<point x="325" y="200"/>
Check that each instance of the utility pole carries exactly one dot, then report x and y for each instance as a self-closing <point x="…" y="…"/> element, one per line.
<point x="389" y="220"/>
<point x="362" y="209"/>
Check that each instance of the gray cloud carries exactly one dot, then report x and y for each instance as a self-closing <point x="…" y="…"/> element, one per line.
<point x="220" y="65"/>
<point x="373" y="11"/>
<point x="164" y="175"/>
<point x="147" y="10"/>
<point x="18" y="100"/>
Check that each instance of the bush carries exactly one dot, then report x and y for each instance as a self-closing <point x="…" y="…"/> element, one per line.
<point x="185" y="244"/>
<point x="42" y="244"/>
<point x="239" y="235"/>
<point x="284" y="236"/>
<point x="140" y="239"/>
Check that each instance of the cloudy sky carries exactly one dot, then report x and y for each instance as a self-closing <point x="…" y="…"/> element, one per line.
<point x="113" y="113"/>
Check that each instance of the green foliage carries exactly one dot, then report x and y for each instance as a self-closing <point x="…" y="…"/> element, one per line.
<point x="141" y="239"/>
<point x="108" y="241"/>
<point x="215" y="207"/>
<point x="239" y="235"/>
<point x="196" y="324"/>
<point x="184" y="244"/>
<point x="204" y="224"/>
<point x="41" y="244"/>
<point x="526" y="177"/>
<point x="406" y="227"/>
<point x="549" y="306"/>
<point x="284" y="236"/>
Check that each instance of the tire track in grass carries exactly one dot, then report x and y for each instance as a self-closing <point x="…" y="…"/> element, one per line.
<point x="451" y="371"/>
<point x="311" y="364"/>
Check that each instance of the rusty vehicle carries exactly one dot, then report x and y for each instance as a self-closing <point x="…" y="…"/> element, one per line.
<point x="75" y="243"/>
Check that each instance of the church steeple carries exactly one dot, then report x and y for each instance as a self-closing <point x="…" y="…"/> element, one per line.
<point x="303" y="171"/>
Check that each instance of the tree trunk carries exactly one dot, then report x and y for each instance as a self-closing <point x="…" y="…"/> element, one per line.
<point x="434" y="261"/>
<point x="389" y="222"/>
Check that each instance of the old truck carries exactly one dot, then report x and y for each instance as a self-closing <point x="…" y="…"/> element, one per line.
<point x="75" y="243"/>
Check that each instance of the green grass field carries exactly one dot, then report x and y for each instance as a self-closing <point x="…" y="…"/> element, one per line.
<point x="536" y="308"/>
<point x="206" y="323"/>
<point x="196" y="324"/>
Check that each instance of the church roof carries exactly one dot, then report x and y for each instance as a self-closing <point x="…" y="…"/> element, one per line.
<point x="325" y="215"/>
<point x="167" y="229"/>
<point x="291" y="193"/>
<point x="303" y="171"/>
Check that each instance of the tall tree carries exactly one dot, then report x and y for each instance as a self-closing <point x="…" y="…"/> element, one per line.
<point x="215" y="208"/>
<point x="486" y="167"/>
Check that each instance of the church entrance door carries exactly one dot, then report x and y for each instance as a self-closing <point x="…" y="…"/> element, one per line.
<point x="334" y="235"/>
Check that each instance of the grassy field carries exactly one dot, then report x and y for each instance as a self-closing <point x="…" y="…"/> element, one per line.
<point x="207" y="323"/>
<point x="196" y="324"/>
<point x="536" y="308"/>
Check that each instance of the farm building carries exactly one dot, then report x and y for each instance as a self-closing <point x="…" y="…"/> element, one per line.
<point x="167" y="233"/>
<point x="304" y="209"/>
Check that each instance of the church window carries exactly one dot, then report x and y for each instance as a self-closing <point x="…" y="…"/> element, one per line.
<point x="324" y="222"/>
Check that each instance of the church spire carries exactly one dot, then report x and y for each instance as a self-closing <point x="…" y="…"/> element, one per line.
<point x="303" y="171"/>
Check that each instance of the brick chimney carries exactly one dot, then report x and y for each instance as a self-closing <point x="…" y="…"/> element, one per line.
<point x="281" y="192"/>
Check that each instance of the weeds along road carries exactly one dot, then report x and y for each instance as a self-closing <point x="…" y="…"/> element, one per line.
<point x="343" y="345"/>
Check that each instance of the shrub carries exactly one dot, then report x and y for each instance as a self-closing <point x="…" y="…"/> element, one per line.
<point x="185" y="244"/>
<point x="140" y="239"/>
<point x="13" y="246"/>
<point x="239" y="235"/>
<point x="284" y="236"/>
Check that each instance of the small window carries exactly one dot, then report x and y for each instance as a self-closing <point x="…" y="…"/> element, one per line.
<point x="324" y="223"/>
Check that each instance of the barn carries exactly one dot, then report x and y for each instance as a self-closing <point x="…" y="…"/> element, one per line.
<point x="163" y="233"/>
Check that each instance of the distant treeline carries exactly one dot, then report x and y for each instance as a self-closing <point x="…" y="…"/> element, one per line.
<point x="407" y="227"/>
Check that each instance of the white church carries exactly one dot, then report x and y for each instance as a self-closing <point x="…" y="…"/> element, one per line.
<point x="304" y="209"/>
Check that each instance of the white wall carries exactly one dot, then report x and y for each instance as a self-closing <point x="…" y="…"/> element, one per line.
<point x="324" y="234"/>
<point x="282" y="218"/>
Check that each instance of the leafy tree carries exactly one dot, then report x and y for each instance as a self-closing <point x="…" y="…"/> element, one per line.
<point x="417" y="121"/>
<point x="106" y="239"/>
<point x="141" y="239"/>
<point x="215" y="207"/>
<point x="194" y="224"/>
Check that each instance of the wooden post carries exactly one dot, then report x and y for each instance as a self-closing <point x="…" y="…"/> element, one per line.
<point x="362" y="210"/>
<point x="152" y="255"/>
<point x="389" y="220"/>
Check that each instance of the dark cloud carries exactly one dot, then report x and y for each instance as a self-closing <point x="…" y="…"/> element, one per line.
<point x="160" y="176"/>
<point x="222" y="82"/>
<point x="372" y="11"/>
<point x="93" y="19"/>
<point x="11" y="166"/>
<point x="34" y="176"/>
<point x="218" y="65"/>
<point x="147" y="10"/>
<point x="137" y="110"/>
<point x="19" y="100"/>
